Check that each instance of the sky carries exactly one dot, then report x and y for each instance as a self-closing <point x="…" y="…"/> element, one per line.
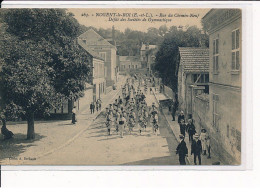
<point x="139" y="18"/>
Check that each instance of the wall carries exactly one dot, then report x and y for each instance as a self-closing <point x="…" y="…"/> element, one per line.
<point x="226" y="139"/>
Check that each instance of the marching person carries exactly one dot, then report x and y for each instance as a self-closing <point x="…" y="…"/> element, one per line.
<point x="117" y="120"/>
<point x="100" y="103"/>
<point x="203" y="139"/>
<point x="122" y="123"/>
<point x="131" y="123"/>
<point x="74" y="110"/>
<point x="196" y="149"/>
<point x="182" y="150"/>
<point x="109" y="122"/>
<point x="97" y="105"/>
<point x="190" y="128"/>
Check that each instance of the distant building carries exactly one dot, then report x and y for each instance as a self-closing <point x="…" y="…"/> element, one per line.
<point x="128" y="63"/>
<point x="193" y="75"/>
<point x="224" y="28"/>
<point x="106" y="50"/>
<point x="147" y="55"/>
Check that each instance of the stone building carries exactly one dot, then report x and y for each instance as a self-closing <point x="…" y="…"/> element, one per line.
<point x="106" y="50"/>
<point x="224" y="28"/>
<point x="193" y="76"/>
<point x="128" y="63"/>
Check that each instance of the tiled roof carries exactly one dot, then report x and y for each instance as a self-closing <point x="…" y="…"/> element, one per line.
<point x="129" y="58"/>
<point x="194" y="59"/>
<point x="93" y="38"/>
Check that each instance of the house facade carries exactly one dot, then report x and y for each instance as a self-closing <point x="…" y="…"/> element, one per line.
<point x="224" y="28"/>
<point x="98" y="80"/>
<point x="193" y="76"/>
<point x="128" y="63"/>
<point x="105" y="49"/>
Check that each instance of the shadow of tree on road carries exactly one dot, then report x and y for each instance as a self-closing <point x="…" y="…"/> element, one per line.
<point x="12" y="148"/>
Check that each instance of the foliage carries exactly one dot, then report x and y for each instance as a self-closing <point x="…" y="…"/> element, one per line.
<point x="167" y="61"/>
<point x="42" y="63"/>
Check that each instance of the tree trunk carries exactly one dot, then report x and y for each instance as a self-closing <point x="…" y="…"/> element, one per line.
<point x="30" y="129"/>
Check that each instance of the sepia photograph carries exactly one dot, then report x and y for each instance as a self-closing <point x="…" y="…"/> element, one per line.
<point x="121" y="86"/>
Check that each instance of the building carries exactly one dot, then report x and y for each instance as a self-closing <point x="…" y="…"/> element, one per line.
<point x="224" y="28"/>
<point x="147" y="55"/>
<point x="193" y="76"/>
<point x="94" y="89"/>
<point x="129" y="63"/>
<point x="98" y="80"/>
<point x="106" y="49"/>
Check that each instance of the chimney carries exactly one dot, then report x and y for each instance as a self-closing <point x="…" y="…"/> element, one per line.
<point x="113" y="33"/>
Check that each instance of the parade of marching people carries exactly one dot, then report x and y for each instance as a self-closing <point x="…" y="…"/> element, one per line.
<point x="130" y="111"/>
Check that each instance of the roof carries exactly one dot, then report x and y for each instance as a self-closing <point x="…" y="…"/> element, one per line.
<point x="150" y="47"/>
<point x="129" y="58"/>
<point x="194" y="59"/>
<point x="93" y="38"/>
<point x="90" y="51"/>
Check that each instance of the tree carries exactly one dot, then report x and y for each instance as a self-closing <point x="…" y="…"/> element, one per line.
<point x="42" y="62"/>
<point x="167" y="57"/>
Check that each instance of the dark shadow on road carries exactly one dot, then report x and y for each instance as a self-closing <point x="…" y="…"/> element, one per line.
<point x="12" y="148"/>
<point x="155" y="161"/>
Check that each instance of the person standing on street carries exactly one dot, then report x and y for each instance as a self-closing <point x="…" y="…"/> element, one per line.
<point x="190" y="128"/>
<point x="74" y="120"/>
<point x="173" y="111"/>
<point x="203" y="139"/>
<point x="181" y="117"/>
<point x="182" y="128"/>
<point x="208" y="146"/>
<point x="196" y="149"/>
<point x="182" y="150"/>
<point x="91" y="108"/>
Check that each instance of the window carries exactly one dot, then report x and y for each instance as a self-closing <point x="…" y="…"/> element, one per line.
<point x="103" y="55"/>
<point x="200" y="78"/>
<point x="215" y="111"/>
<point x="235" y="50"/>
<point x="85" y="41"/>
<point x="215" y="55"/>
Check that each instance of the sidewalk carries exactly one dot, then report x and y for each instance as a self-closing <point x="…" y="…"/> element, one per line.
<point x="176" y="131"/>
<point x="50" y="136"/>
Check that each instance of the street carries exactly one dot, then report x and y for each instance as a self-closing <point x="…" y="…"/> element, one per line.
<point x="87" y="143"/>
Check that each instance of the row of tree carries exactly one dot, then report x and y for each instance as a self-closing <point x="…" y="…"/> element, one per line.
<point x="40" y="62"/>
